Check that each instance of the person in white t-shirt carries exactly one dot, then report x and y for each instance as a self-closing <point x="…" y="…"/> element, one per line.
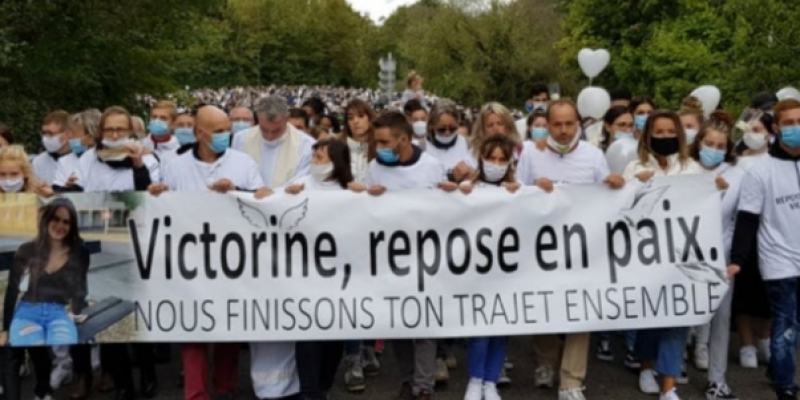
<point x="417" y="115"/>
<point x="769" y="210"/>
<point x="564" y="159"/>
<point x="211" y="165"/>
<point x="714" y="150"/>
<point x="400" y="165"/>
<point x="160" y="138"/>
<point x="443" y="141"/>
<point x="56" y="146"/>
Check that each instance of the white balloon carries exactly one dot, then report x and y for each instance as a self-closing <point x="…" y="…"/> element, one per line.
<point x="709" y="96"/>
<point x="788" y="93"/>
<point x="594" y="102"/>
<point x="593" y="62"/>
<point x="621" y="153"/>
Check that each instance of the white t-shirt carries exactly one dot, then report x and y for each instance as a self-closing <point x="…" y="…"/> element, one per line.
<point x="584" y="165"/>
<point x="66" y="169"/>
<point x="730" y="201"/>
<point x="187" y="173"/>
<point x="96" y="176"/>
<point x="359" y="162"/>
<point x="45" y="167"/>
<point x="771" y="189"/>
<point x="163" y="150"/>
<point x="269" y="156"/>
<point x="273" y="369"/>
<point x="674" y="167"/>
<point x="309" y="183"/>
<point x="747" y="162"/>
<point x="426" y="173"/>
<point x="451" y="156"/>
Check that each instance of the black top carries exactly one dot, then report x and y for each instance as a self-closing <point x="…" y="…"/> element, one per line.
<point x="66" y="286"/>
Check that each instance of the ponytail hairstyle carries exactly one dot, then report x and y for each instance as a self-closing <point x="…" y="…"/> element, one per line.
<point x="719" y="121"/>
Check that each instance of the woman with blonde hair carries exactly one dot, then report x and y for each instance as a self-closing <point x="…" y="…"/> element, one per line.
<point x="494" y="119"/>
<point x="692" y="118"/>
<point x="16" y="174"/>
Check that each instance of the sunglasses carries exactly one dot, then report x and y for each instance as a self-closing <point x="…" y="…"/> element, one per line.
<point x="447" y="129"/>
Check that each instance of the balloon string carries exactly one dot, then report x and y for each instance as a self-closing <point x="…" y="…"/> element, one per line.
<point x="590" y="81"/>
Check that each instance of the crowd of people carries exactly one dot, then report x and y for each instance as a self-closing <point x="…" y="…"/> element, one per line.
<point x="298" y="140"/>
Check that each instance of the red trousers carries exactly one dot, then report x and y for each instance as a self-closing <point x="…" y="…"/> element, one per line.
<point x="195" y="369"/>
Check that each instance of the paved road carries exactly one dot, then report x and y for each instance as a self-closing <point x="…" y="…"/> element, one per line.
<point x="606" y="381"/>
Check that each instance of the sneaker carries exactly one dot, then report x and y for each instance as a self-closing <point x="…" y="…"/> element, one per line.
<point x="604" y="351"/>
<point x="671" y="395"/>
<point x="442" y="373"/>
<point x="504" y="379"/>
<point x="451" y="361"/>
<point x="631" y="362"/>
<point x="684" y="378"/>
<point x="571" y="394"/>
<point x="719" y="391"/>
<point x="354" y="375"/>
<point x="474" y="389"/>
<point x="544" y="377"/>
<point x="370" y="363"/>
<point x="748" y="357"/>
<point x="60" y="375"/>
<point x="764" y="353"/>
<point x="787" y="395"/>
<point x="701" y="357"/>
<point x="647" y="382"/>
<point x="490" y="391"/>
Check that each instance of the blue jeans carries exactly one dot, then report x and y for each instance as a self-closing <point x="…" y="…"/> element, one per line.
<point x="485" y="357"/>
<point x="664" y="347"/>
<point x="630" y="338"/>
<point x="782" y="296"/>
<point x="38" y="324"/>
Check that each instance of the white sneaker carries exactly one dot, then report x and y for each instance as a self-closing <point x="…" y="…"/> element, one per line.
<point x="748" y="357"/>
<point x="474" y="390"/>
<point x="504" y="379"/>
<point x="490" y="391"/>
<point x="764" y="353"/>
<point x="60" y="375"/>
<point x="571" y="394"/>
<point x="701" y="357"/>
<point x="647" y="382"/>
<point x="544" y="377"/>
<point x="671" y="395"/>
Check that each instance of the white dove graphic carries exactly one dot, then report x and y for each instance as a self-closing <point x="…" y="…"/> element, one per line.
<point x="700" y="271"/>
<point x="644" y="202"/>
<point x="289" y="220"/>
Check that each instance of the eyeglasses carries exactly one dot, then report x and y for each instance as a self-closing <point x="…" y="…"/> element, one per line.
<point x="446" y="129"/>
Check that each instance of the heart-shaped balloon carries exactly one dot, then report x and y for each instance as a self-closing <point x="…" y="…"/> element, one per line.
<point x="788" y="93"/>
<point x="593" y="62"/>
<point x="594" y="102"/>
<point x="709" y="96"/>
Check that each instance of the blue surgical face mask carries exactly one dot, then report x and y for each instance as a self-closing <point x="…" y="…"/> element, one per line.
<point x="711" y="157"/>
<point x="539" y="133"/>
<point x="640" y="121"/>
<point x="623" y="135"/>
<point x="790" y="135"/>
<point x="77" y="146"/>
<point x="529" y="107"/>
<point x="387" y="156"/>
<point x="220" y="142"/>
<point x="158" y="128"/>
<point x="240" y="126"/>
<point x="185" y="135"/>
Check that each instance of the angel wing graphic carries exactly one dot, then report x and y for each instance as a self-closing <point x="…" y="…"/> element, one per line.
<point x="253" y="216"/>
<point x="292" y="217"/>
<point x="644" y="202"/>
<point x="700" y="271"/>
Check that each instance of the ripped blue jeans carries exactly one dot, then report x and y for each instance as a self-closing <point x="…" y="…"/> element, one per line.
<point x="42" y="324"/>
<point x="782" y="296"/>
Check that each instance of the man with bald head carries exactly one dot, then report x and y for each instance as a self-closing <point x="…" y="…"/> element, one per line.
<point x="211" y="165"/>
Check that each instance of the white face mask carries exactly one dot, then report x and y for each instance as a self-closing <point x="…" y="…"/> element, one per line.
<point x="12" y="185"/>
<point x="494" y="172"/>
<point x="563" y="148"/>
<point x="690" y="135"/>
<point x="52" y="144"/>
<point x="321" y="172"/>
<point x="446" y="139"/>
<point x="115" y="144"/>
<point x="420" y="128"/>
<point x="755" y="141"/>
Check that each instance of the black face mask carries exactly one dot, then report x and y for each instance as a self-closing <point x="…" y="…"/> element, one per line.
<point x="664" y="146"/>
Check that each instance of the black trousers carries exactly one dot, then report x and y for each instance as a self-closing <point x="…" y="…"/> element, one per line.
<point x="81" y="360"/>
<point x="116" y="360"/>
<point x="11" y="360"/>
<point x="317" y="363"/>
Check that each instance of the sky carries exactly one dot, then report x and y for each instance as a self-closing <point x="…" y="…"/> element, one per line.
<point x="378" y="8"/>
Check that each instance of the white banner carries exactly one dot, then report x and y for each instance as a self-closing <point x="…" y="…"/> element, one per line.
<point x="420" y="264"/>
